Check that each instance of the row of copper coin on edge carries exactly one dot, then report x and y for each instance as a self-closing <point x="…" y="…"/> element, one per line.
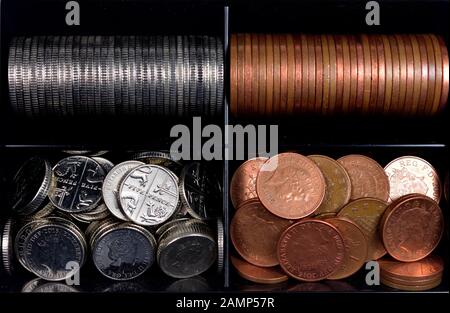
<point x="283" y="74"/>
<point x="348" y="199"/>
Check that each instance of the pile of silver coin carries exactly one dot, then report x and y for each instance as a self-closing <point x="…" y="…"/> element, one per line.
<point x="116" y="75"/>
<point x="150" y="209"/>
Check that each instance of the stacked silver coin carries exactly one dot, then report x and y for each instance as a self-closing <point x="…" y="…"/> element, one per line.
<point x="131" y="75"/>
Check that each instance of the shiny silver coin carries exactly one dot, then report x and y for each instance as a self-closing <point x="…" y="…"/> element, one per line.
<point x="200" y="191"/>
<point x="220" y="246"/>
<point x="7" y="246"/>
<point x="20" y="240"/>
<point x="99" y="213"/>
<point x="30" y="185"/>
<point x="175" y="222"/>
<point x="220" y="77"/>
<point x="39" y="285"/>
<point x="106" y="164"/>
<point x="187" y="251"/>
<point x="76" y="184"/>
<point x="161" y="158"/>
<point x="50" y="247"/>
<point x="45" y="211"/>
<point x="111" y="185"/>
<point x="149" y="195"/>
<point x="124" y="252"/>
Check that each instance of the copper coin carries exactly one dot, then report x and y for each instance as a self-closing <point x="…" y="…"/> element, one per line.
<point x="243" y="183"/>
<point x="338" y="185"/>
<point x="367" y="73"/>
<point x="257" y="274"/>
<point x="356" y="247"/>
<point x="360" y="82"/>
<point x="255" y="74"/>
<point x="290" y="185"/>
<point x="262" y="82"/>
<point x="367" y="177"/>
<point x="319" y="74"/>
<point x="428" y="268"/>
<point x="395" y="75"/>
<point x="417" y="74"/>
<point x="311" y="73"/>
<point x="411" y="174"/>
<point x="409" y="75"/>
<point x="410" y="282"/>
<point x="234" y="85"/>
<point x="326" y="215"/>
<point x="333" y="74"/>
<point x="388" y="74"/>
<point x="276" y="74"/>
<point x="367" y="213"/>
<point x="311" y="250"/>
<point x="326" y="75"/>
<point x="353" y="73"/>
<point x="298" y="74"/>
<point x="375" y="66"/>
<point x="445" y="74"/>
<point x="240" y="74"/>
<point x="403" y="73"/>
<point x="438" y="87"/>
<point x="424" y="79"/>
<point x="381" y="74"/>
<point x="270" y="69"/>
<point x="411" y="287"/>
<point x="255" y="232"/>
<point x="412" y="229"/>
<point x="305" y="73"/>
<point x="291" y="73"/>
<point x="431" y="75"/>
<point x="248" y="73"/>
<point x="283" y="74"/>
<point x="339" y="73"/>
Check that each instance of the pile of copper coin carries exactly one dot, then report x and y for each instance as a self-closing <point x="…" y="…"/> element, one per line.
<point x="284" y="74"/>
<point x="314" y="218"/>
<point x="123" y="217"/>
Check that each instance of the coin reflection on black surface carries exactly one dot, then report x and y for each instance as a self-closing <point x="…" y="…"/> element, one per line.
<point x="312" y="287"/>
<point x="39" y="285"/>
<point x="190" y="285"/>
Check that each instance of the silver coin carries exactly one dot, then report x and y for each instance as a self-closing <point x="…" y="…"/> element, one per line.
<point x="12" y="73"/>
<point x="20" y="240"/>
<point x="90" y="217"/>
<point x="138" y="76"/>
<point x="45" y="211"/>
<point x="90" y="74"/>
<point x="193" y="81"/>
<point x="173" y="88"/>
<point x="85" y="97"/>
<point x="186" y="76"/>
<point x="26" y="77"/>
<point x="19" y="75"/>
<point x="126" y="72"/>
<point x="106" y="164"/>
<point x="213" y="75"/>
<point x="199" y="191"/>
<point x="76" y="68"/>
<point x="34" y="78"/>
<point x="49" y="248"/>
<point x="118" y="75"/>
<point x="54" y="75"/>
<point x="62" y="76"/>
<point x="153" y="75"/>
<point x="220" y="246"/>
<point x="76" y="184"/>
<point x="96" y="82"/>
<point x="163" y="228"/>
<point x="159" y="158"/>
<point x="166" y="75"/>
<point x="7" y="246"/>
<point x="40" y="72"/>
<point x="179" y="72"/>
<point x="39" y="285"/>
<point x="149" y="195"/>
<point x="160" y="75"/>
<point x="132" y="77"/>
<point x="124" y="252"/>
<point x="220" y="75"/>
<point x="187" y="251"/>
<point x="207" y="70"/>
<point x="110" y="189"/>
<point x="31" y="185"/>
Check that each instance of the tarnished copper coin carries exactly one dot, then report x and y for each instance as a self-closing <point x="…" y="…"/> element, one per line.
<point x="356" y="247"/>
<point x="411" y="174"/>
<point x="243" y="183"/>
<point x="411" y="229"/>
<point x="258" y="274"/>
<point x="367" y="177"/>
<point x="311" y="250"/>
<point x="255" y="232"/>
<point x="290" y="185"/>
<point x="338" y="185"/>
<point x="367" y="213"/>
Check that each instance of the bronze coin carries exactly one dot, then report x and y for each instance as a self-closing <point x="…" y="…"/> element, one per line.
<point x="323" y="216"/>
<point x="298" y="74"/>
<point x="255" y="232"/>
<point x="270" y="72"/>
<point x="381" y="74"/>
<point x="374" y="83"/>
<point x="403" y="73"/>
<point x="241" y="109"/>
<point x="367" y="177"/>
<point x="333" y="74"/>
<point x="258" y="274"/>
<point x="255" y="74"/>
<point x="410" y="282"/>
<point x="339" y="73"/>
<point x="412" y="229"/>
<point x="445" y="74"/>
<point x="431" y="75"/>
<point x="305" y="73"/>
<point x="337" y="181"/>
<point x="367" y="213"/>
<point x="438" y="87"/>
<point x="243" y="182"/>
<point x="360" y="82"/>
<point x="311" y="73"/>
<point x="395" y="75"/>
<point x="291" y="74"/>
<point x="411" y="174"/>
<point x="311" y="250"/>
<point x="319" y="74"/>
<point x="276" y="74"/>
<point x="290" y="185"/>
<point x="234" y="85"/>
<point x="417" y="74"/>
<point x="419" y="287"/>
<point x="356" y="247"/>
<point x="283" y="74"/>
<point x="388" y="74"/>
<point x="353" y="73"/>
<point x="367" y="73"/>
<point x="248" y="74"/>
<point x="409" y="75"/>
<point x="326" y="75"/>
<point x="428" y="268"/>
<point x="262" y="82"/>
<point x="424" y="79"/>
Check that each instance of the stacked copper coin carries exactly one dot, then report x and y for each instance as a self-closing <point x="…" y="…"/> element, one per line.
<point x="284" y="74"/>
<point x="119" y="212"/>
<point x="315" y="218"/>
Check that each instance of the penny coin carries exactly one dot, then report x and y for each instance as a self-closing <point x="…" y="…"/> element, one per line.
<point x="311" y="250"/>
<point x="389" y="73"/>
<point x="149" y="195"/>
<point x="270" y="72"/>
<point x="262" y="70"/>
<point x="417" y="73"/>
<point x="241" y="105"/>
<point x="290" y="185"/>
<point x="356" y="247"/>
<point x="257" y="274"/>
<point x="367" y="213"/>
<point x="353" y="73"/>
<point x="338" y="186"/>
<point x="234" y="84"/>
<point x="76" y="184"/>
<point x="395" y="75"/>
<point x="427" y="268"/>
<point x="419" y="287"/>
<point x="367" y="177"/>
<point x="431" y="75"/>
<point x="424" y="77"/>
<point x="248" y="73"/>
<point x="319" y="74"/>
<point x="243" y="183"/>
<point x="255" y="74"/>
<point x="411" y="174"/>
<point x="445" y="75"/>
<point x="283" y="73"/>
<point x="333" y="73"/>
<point x="111" y="185"/>
<point x="403" y="73"/>
<point x="326" y="75"/>
<point x="276" y="74"/>
<point x="347" y="72"/>
<point x="255" y="232"/>
<point x="381" y="74"/>
<point x="367" y="73"/>
<point x="305" y="73"/>
<point x="438" y="84"/>
<point x="411" y="229"/>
